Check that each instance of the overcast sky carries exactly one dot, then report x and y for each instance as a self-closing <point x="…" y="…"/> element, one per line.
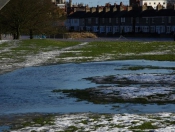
<point x="94" y="3"/>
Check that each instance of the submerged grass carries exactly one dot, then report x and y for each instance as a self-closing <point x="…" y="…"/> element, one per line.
<point x="145" y="67"/>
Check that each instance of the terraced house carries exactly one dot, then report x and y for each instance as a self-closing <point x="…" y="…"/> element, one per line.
<point x="121" y="19"/>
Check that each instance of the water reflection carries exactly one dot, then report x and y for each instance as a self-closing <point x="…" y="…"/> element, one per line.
<point x="29" y="89"/>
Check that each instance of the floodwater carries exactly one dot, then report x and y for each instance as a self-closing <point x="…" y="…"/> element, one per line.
<point x="30" y="89"/>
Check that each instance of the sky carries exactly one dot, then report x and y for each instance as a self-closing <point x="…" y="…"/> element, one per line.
<point x="94" y="3"/>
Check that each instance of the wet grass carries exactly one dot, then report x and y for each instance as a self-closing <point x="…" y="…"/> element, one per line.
<point x="117" y="50"/>
<point x="93" y="51"/>
<point x="131" y="50"/>
<point x="144" y="126"/>
<point x="38" y="121"/>
<point x="96" y="97"/>
<point x="145" y="67"/>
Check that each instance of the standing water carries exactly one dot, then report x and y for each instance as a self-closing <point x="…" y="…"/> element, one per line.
<point x="30" y="89"/>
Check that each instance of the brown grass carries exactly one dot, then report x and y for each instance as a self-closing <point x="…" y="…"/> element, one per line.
<point x="80" y="35"/>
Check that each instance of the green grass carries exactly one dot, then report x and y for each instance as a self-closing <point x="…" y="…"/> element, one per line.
<point x="145" y="125"/>
<point x="38" y="120"/>
<point x="130" y="50"/>
<point x="16" y="52"/>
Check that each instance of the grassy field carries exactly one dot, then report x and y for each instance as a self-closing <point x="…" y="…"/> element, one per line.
<point x="18" y="54"/>
<point x="163" y="51"/>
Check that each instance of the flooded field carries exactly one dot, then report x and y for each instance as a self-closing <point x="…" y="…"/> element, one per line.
<point x="109" y="96"/>
<point x="31" y="89"/>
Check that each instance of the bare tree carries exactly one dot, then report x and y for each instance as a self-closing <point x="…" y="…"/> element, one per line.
<point x="28" y="16"/>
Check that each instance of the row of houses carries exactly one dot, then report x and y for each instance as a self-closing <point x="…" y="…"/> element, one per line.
<point x="117" y="19"/>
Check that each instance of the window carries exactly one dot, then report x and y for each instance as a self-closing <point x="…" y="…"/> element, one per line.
<point x="102" y="29"/>
<point x="95" y="29"/>
<point x="146" y="20"/>
<point x="137" y="20"/>
<point x="88" y="28"/>
<point x="169" y="19"/>
<point x="96" y="20"/>
<point x="168" y="29"/>
<point x="89" y="20"/>
<point x="128" y="29"/>
<point x="116" y="29"/>
<point x="152" y="29"/>
<point x="116" y="20"/>
<point x="163" y="20"/>
<point x="83" y="21"/>
<point x="145" y="29"/>
<point x="109" y="20"/>
<point x="131" y="20"/>
<point x="162" y="29"/>
<point x="75" y="21"/>
<point x="103" y="20"/>
<point x="122" y="19"/>
<point x="108" y="29"/>
<point x="152" y="20"/>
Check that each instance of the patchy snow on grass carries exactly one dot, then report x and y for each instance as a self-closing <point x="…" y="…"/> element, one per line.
<point x="148" y="78"/>
<point x="38" y="59"/>
<point x="158" y="122"/>
<point x="3" y="41"/>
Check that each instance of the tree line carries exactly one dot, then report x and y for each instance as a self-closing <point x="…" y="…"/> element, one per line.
<point x="30" y="17"/>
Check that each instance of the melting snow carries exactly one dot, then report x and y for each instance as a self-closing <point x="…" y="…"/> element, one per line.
<point x="163" y="122"/>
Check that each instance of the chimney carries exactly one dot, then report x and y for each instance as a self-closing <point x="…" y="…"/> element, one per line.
<point x="74" y="9"/>
<point x="144" y="7"/>
<point x="115" y="4"/>
<point x="87" y="9"/>
<point x="114" y="9"/>
<point x="129" y="8"/>
<point x="122" y="8"/>
<point x="99" y="9"/>
<point x="93" y="9"/>
<point x="159" y="7"/>
<point x="106" y="9"/>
